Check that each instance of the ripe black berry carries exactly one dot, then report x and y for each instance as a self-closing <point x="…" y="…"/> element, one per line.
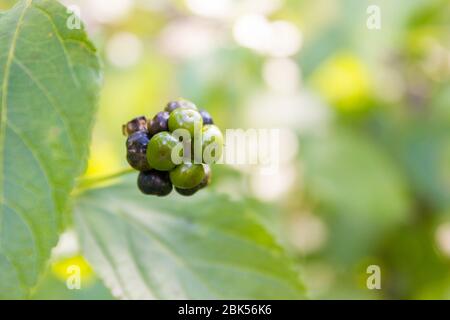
<point x="137" y="151"/>
<point x="207" y="119"/>
<point x="135" y="125"/>
<point x="159" y="123"/>
<point x="154" y="182"/>
<point x="172" y="105"/>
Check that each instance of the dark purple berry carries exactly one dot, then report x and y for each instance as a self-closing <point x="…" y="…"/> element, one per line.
<point x="207" y="119"/>
<point x="172" y="105"/>
<point x="137" y="151"/>
<point x="159" y="123"/>
<point x="135" y="125"/>
<point x="154" y="182"/>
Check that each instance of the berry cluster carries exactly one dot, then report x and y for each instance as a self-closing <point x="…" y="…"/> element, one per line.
<point x="174" y="149"/>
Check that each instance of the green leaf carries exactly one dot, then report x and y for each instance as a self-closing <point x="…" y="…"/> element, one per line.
<point x="49" y="81"/>
<point x="173" y="248"/>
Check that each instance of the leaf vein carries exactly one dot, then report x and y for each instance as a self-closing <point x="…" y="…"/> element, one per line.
<point x="53" y="103"/>
<point x="62" y="43"/>
<point x="4" y="106"/>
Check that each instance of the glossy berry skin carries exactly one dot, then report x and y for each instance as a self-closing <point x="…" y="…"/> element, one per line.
<point x="135" y="125"/>
<point x="137" y="145"/>
<point x="172" y="105"/>
<point x="185" y="119"/>
<point x="159" y="123"/>
<point x="187" y="192"/>
<point x="154" y="182"/>
<point x="207" y="119"/>
<point x="212" y="143"/>
<point x="207" y="178"/>
<point x="187" y="175"/>
<point x="204" y="183"/>
<point x="159" y="151"/>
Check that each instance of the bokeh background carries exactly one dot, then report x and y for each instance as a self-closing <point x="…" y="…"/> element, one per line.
<point x="365" y="119"/>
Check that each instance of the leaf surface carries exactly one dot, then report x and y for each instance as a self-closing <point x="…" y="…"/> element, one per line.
<point x="49" y="82"/>
<point x="201" y="247"/>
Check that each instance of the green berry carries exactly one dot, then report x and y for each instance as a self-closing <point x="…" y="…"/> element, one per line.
<point x="154" y="182"/>
<point x="187" y="119"/>
<point x="181" y="103"/>
<point x="212" y="143"/>
<point x="159" y="151"/>
<point x="187" y="175"/>
<point x="204" y="183"/>
<point x="187" y="192"/>
<point x="137" y="145"/>
<point x="207" y="178"/>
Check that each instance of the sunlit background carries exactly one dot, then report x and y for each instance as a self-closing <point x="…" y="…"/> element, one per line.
<point x="365" y="119"/>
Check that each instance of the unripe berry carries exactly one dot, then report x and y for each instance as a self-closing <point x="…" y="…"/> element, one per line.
<point x="159" y="151"/>
<point x="187" y="175"/>
<point x="204" y="183"/>
<point x="212" y="144"/>
<point x="186" y="119"/>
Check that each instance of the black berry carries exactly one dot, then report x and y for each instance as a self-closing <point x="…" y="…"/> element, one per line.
<point x="154" y="182"/>
<point x="207" y="119"/>
<point x="159" y="123"/>
<point x="135" y="125"/>
<point x="172" y="105"/>
<point x="137" y="151"/>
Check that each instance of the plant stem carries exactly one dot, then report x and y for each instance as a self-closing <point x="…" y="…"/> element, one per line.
<point x="86" y="183"/>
